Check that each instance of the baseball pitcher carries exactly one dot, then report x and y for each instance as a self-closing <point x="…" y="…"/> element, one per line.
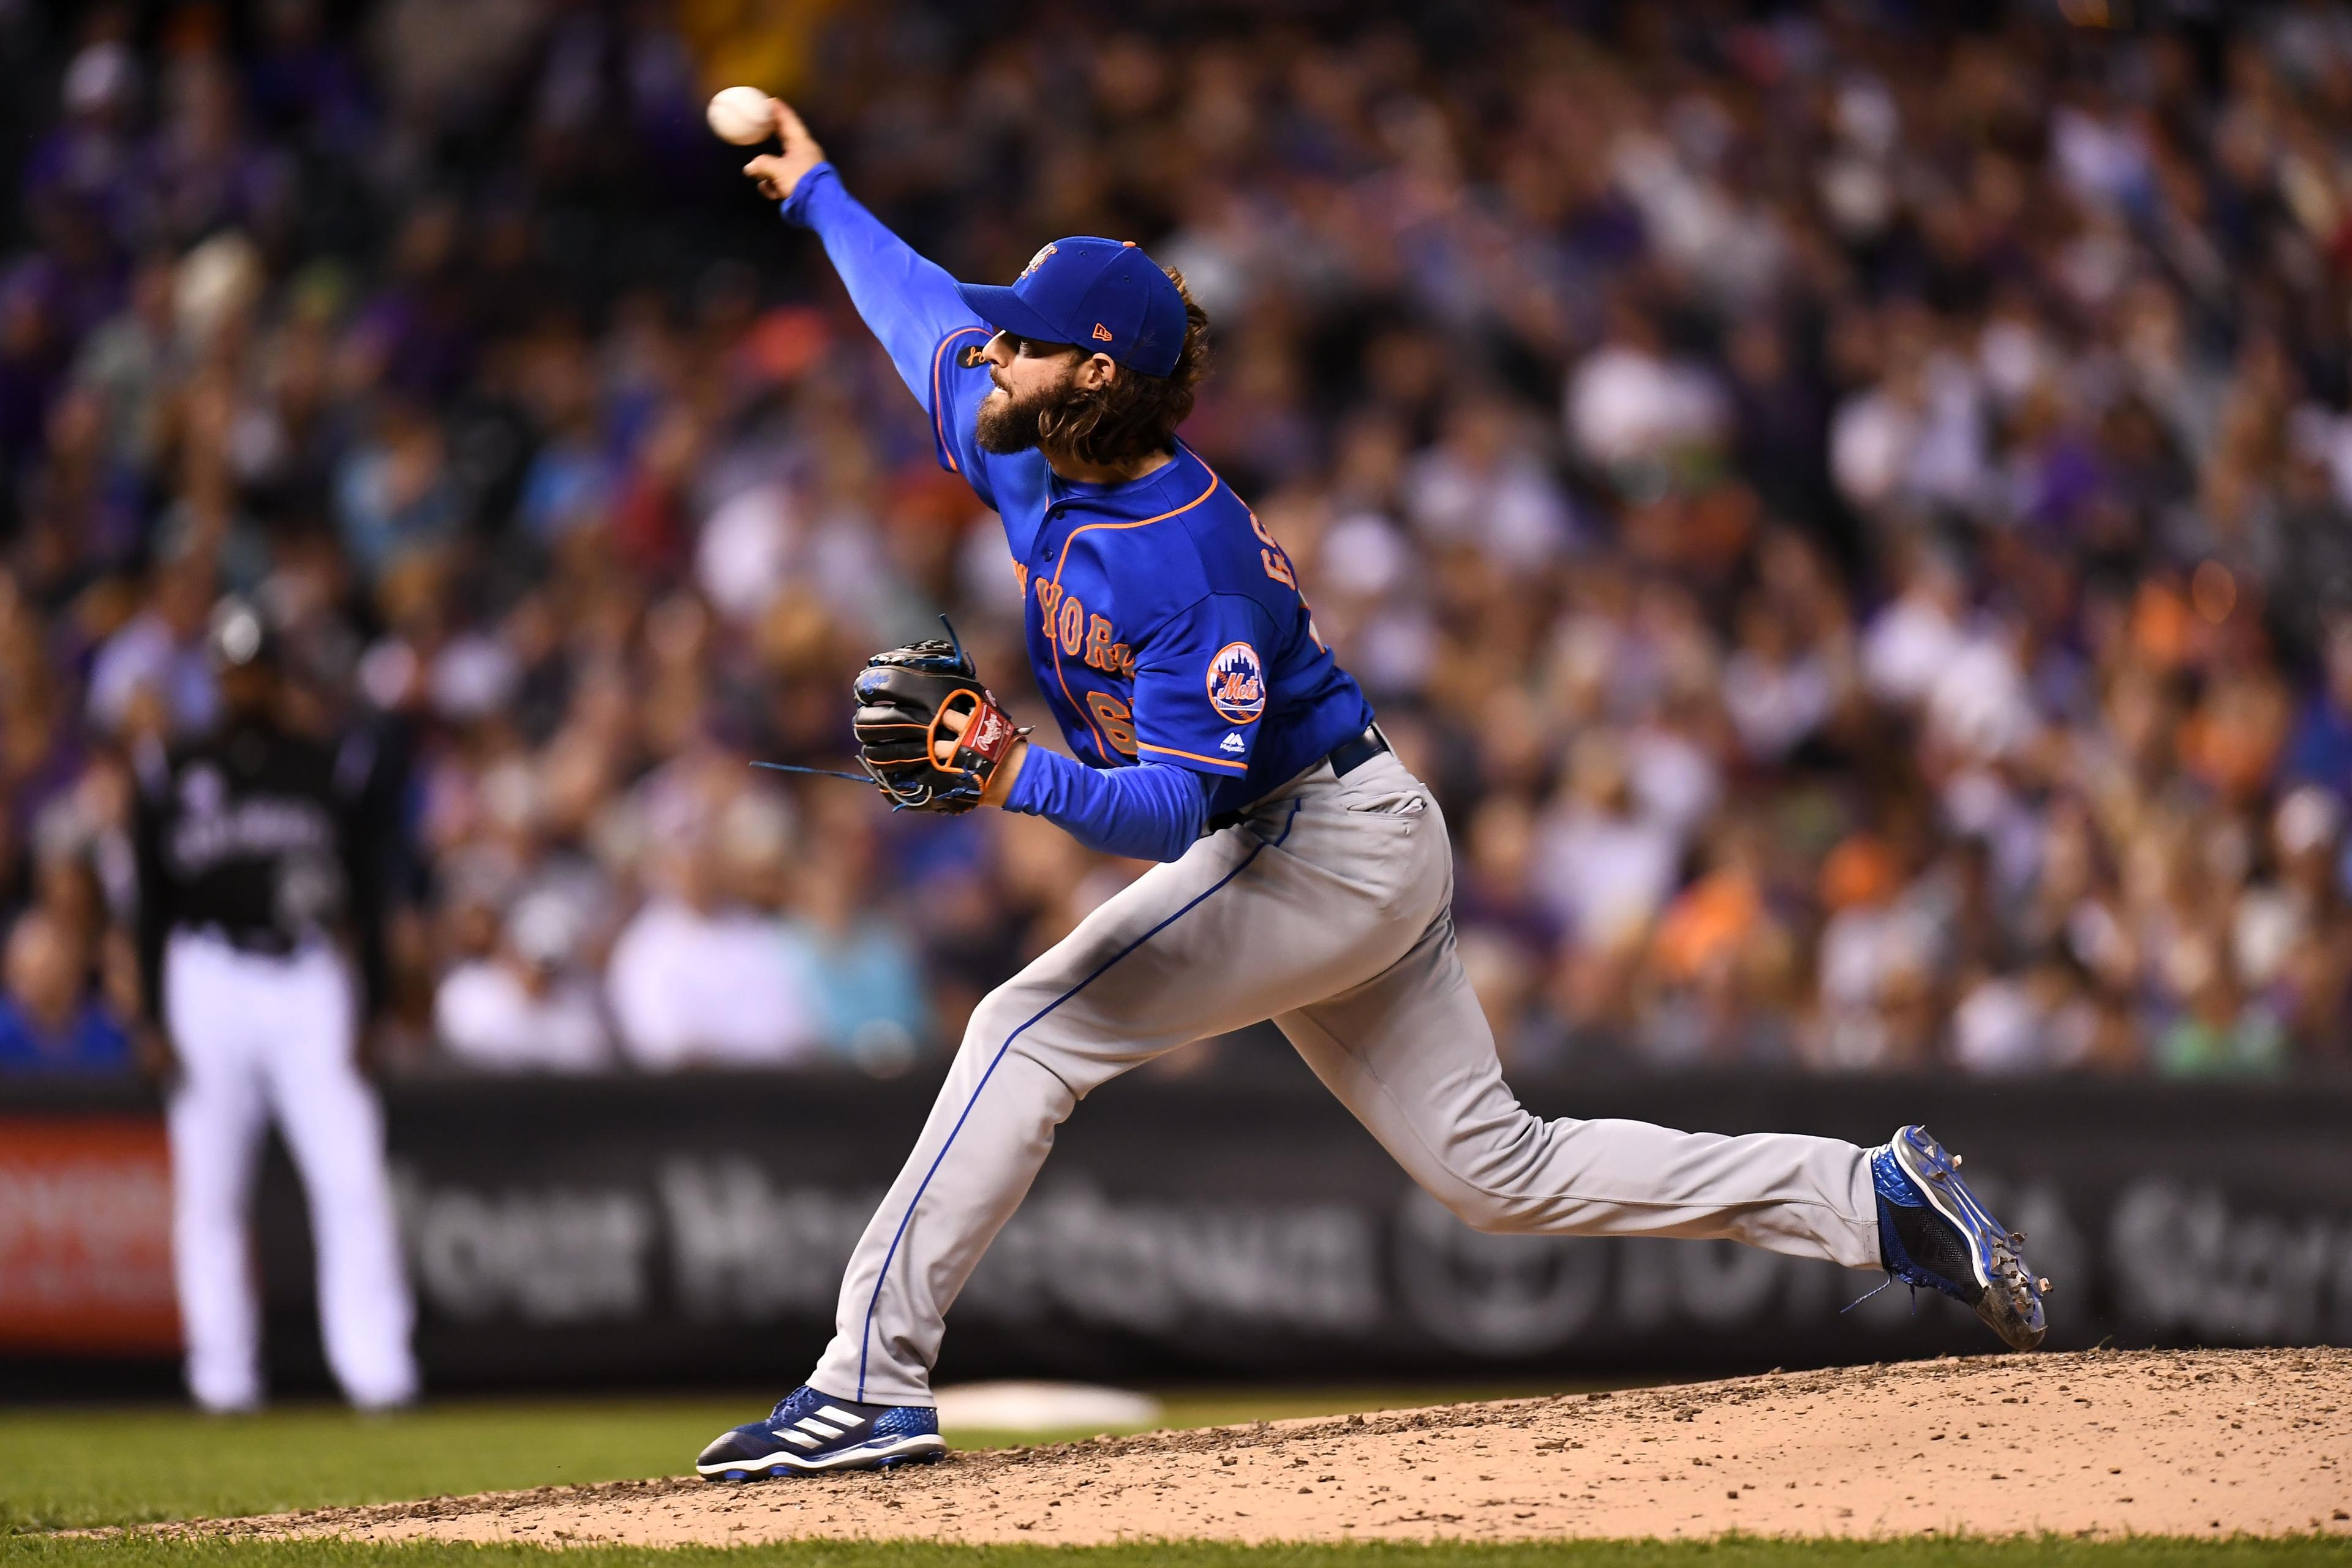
<point x="1304" y="874"/>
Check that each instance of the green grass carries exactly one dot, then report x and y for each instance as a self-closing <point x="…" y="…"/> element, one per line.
<point x="49" y="1551"/>
<point x="72" y="1468"/>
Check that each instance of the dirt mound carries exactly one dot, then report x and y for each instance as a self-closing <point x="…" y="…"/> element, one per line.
<point x="2199" y="1443"/>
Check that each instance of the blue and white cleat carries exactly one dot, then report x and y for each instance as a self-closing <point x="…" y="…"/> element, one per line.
<point x="1933" y="1232"/>
<point x="808" y="1432"/>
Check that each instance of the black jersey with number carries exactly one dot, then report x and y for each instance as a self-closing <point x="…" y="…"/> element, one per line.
<point x="267" y="837"/>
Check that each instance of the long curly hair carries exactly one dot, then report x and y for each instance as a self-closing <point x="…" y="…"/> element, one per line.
<point x="1132" y="415"/>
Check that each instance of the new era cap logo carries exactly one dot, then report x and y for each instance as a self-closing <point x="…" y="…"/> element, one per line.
<point x="1102" y="333"/>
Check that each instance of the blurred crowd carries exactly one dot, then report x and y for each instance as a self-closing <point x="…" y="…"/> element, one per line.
<point x="1854" y="517"/>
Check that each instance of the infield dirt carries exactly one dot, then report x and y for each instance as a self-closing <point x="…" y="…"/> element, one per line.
<point x="2205" y="1443"/>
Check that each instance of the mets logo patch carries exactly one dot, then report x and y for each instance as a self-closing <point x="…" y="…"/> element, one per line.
<point x="1237" y="683"/>
<point x="1036" y="261"/>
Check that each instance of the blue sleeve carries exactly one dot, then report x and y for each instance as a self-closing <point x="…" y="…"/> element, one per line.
<point x="1200" y="686"/>
<point x="911" y="304"/>
<point x="1147" y="811"/>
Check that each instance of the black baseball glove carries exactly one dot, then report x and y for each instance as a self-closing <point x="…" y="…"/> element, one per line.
<point x="902" y="696"/>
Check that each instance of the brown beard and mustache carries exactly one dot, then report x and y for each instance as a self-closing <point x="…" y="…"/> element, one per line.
<point x="1005" y="426"/>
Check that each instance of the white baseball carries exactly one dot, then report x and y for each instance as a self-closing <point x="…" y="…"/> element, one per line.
<point x="741" y="115"/>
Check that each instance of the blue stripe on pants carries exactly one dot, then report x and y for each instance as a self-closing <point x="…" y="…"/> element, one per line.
<point x="866" y="1334"/>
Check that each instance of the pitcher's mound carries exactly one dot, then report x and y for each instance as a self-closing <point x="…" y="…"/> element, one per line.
<point x="2193" y="1444"/>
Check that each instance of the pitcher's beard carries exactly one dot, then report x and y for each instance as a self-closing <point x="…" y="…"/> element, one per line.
<point x="1004" y="426"/>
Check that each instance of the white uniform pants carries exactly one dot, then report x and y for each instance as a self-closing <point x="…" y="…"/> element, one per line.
<point x="1327" y="911"/>
<point x="259" y="1037"/>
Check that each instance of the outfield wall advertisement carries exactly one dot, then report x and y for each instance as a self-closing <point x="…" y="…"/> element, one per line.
<point x="85" y="1235"/>
<point x="695" y="1227"/>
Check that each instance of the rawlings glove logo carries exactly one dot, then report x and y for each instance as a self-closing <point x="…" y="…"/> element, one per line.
<point x="920" y="761"/>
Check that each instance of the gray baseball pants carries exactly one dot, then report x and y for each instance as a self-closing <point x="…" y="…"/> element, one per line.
<point x="1327" y="910"/>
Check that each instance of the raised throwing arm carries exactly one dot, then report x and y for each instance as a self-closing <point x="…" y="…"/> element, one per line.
<point x="909" y="303"/>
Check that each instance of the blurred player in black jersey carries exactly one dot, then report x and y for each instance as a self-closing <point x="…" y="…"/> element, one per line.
<point x="261" y="857"/>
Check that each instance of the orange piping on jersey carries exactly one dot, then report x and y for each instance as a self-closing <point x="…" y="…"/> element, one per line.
<point x="1054" y="644"/>
<point x="1191" y="756"/>
<point x="939" y="416"/>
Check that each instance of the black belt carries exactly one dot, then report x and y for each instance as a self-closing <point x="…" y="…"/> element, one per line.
<point x="1345" y="758"/>
<point x="1354" y="753"/>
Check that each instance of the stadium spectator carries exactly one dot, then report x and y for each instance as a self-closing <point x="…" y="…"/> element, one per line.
<point x="703" y="974"/>
<point x="862" y="976"/>
<point x="49" y="1023"/>
<point x="527" y="1007"/>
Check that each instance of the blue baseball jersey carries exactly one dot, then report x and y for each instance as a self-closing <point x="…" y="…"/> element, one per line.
<point x="1164" y="622"/>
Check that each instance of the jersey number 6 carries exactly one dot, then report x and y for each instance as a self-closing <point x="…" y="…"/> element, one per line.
<point x="1115" y="720"/>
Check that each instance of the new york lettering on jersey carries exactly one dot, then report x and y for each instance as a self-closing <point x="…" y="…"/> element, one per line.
<point x="1164" y="622"/>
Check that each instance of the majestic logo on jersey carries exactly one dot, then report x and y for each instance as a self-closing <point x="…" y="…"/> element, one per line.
<point x="1035" y="262"/>
<point x="1237" y="684"/>
<point x="1232" y="742"/>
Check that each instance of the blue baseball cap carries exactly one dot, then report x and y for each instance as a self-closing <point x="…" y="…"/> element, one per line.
<point x="1102" y="295"/>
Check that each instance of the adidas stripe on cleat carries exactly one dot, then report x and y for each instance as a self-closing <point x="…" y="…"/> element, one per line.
<point x="1932" y="1231"/>
<point x="808" y="1432"/>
